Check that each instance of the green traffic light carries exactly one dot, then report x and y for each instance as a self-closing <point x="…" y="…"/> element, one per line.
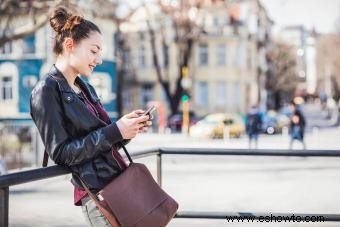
<point x="185" y="98"/>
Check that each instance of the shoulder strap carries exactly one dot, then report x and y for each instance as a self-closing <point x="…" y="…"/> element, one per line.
<point x="126" y="152"/>
<point x="107" y="214"/>
<point x="45" y="160"/>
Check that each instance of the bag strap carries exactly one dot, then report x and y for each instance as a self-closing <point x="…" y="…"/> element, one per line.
<point x="107" y="214"/>
<point x="45" y="160"/>
<point x="126" y="152"/>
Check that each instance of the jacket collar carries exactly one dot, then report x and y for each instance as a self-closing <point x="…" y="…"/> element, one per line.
<point x="65" y="87"/>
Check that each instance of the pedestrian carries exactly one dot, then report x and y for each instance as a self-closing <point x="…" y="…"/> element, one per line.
<point x="253" y="126"/>
<point x="75" y="128"/>
<point x="297" y="126"/>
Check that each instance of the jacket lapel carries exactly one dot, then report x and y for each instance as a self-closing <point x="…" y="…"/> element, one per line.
<point x="74" y="108"/>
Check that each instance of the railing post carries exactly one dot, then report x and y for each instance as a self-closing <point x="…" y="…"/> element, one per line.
<point x="159" y="169"/>
<point x="4" y="206"/>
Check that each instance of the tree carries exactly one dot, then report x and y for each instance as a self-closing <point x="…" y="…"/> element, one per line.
<point x="328" y="58"/>
<point x="35" y="13"/>
<point x="282" y="78"/>
<point x="187" y="31"/>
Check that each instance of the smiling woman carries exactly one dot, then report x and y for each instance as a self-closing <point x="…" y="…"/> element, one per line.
<point x="74" y="126"/>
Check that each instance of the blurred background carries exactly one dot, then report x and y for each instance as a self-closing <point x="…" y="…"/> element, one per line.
<point x="207" y="65"/>
<point x="190" y="59"/>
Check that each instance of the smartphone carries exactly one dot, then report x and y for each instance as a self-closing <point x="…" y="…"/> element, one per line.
<point x="149" y="111"/>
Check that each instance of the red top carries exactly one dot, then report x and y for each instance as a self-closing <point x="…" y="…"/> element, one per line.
<point x="99" y="111"/>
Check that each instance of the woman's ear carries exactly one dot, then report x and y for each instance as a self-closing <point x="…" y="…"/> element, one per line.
<point x="68" y="44"/>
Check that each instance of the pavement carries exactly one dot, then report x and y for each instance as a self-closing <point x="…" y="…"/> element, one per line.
<point x="209" y="183"/>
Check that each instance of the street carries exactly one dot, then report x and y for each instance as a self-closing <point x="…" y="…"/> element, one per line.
<point x="209" y="183"/>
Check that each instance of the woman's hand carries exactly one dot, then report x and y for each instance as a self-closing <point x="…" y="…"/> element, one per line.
<point x="131" y="124"/>
<point x="147" y="123"/>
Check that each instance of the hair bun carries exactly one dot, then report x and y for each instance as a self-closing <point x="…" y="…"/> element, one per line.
<point x="59" y="19"/>
<point x="71" y="22"/>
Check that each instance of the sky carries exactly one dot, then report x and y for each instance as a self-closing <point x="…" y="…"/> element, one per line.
<point x="321" y="14"/>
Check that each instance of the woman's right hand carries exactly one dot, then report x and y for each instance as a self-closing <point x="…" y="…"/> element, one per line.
<point x="130" y="124"/>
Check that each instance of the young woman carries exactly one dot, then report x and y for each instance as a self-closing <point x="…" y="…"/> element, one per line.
<point x="74" y="127"/>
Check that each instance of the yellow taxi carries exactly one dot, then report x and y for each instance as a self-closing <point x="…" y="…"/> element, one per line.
<point x="215" y="125"/>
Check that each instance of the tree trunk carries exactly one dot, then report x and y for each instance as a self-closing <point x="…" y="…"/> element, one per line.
<point x="119" y="44"/>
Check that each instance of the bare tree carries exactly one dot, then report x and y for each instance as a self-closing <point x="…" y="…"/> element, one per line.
<point x="34" y="12"/>
<point x="328" y="58"/>
<point x="187" y="31"/>
<point x="282" y="78"/>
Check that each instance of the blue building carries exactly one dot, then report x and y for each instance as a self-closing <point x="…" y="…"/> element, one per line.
<point x="24" y="62"/>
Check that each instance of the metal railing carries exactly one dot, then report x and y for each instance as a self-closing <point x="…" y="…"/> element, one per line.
<point x="52" y="171"/>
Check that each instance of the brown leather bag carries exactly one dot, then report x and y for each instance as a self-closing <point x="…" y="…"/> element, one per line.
<point x="134" y="199"/>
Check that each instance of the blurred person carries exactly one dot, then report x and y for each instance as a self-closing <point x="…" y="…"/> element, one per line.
<point x="75" y="128"/>
<point x="253" y="126"/>
<point x="297" y="126"/>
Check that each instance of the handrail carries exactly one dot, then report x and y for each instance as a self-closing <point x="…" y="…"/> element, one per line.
<point x="247" y="152"/>
<point x="52" y="171"/>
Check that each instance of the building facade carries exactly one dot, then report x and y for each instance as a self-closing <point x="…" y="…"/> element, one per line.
<point x="224" y="67"/>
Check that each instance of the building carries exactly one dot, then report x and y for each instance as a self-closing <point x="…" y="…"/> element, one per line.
<point x="304" y="43"/>
<point x="328" y="66"/>
<point x="23" y="62"/>
<point x="227" y="64"/>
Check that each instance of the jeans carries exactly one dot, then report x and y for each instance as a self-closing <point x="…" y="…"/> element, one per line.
<point x="93" y="216"/>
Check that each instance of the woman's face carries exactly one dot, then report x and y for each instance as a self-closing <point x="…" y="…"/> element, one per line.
<point x="87" y="54"/>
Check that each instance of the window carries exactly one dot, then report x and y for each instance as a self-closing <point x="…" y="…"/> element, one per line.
<point x="103" y="85"/>
<point x="203" y="54"/>
<point x="146" y="95"/>
<point x="9" y="91"/>
<point x="202" y="94"/>
<point x="29" y="44"/>
<point x="141" y="57"/>
<point x="236" y="94"/>
<point x="221" y="54"/>
<point x="126" y="59"/>
<point x="6" y="88"/>
<point x="127" y="98"/>
<point x="239" y="55"/>
<point x="7" y="48"/>
<point x="221" y="93"/>
<point x="141" y="36"/>
<point x="215" y="21"/>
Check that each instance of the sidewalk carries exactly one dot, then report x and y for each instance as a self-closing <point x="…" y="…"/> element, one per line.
<point x="205" y="183"/>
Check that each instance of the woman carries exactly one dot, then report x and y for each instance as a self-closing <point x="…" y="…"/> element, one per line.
<point x="74" y="126"/>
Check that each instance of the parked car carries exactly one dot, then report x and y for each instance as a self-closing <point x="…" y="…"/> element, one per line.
<point x="272" y="122"/>
<point x="175" y="121"/>
<point x="215" y="125"/>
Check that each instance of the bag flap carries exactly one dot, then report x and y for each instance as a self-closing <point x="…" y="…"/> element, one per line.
<point x="133" y="194"/>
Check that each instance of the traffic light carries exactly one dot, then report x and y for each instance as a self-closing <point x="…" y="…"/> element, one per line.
<point x="185" y="98"/>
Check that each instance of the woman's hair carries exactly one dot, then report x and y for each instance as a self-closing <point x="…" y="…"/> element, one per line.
<point x="65" y="24"/>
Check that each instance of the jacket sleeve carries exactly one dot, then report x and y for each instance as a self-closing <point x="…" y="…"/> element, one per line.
<point x="47" y="113"/>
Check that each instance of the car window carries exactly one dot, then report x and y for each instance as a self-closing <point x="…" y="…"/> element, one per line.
<point x="228" y="121"/>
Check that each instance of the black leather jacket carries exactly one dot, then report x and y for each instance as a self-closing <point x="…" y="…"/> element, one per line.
<point x="72" y="135"/>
